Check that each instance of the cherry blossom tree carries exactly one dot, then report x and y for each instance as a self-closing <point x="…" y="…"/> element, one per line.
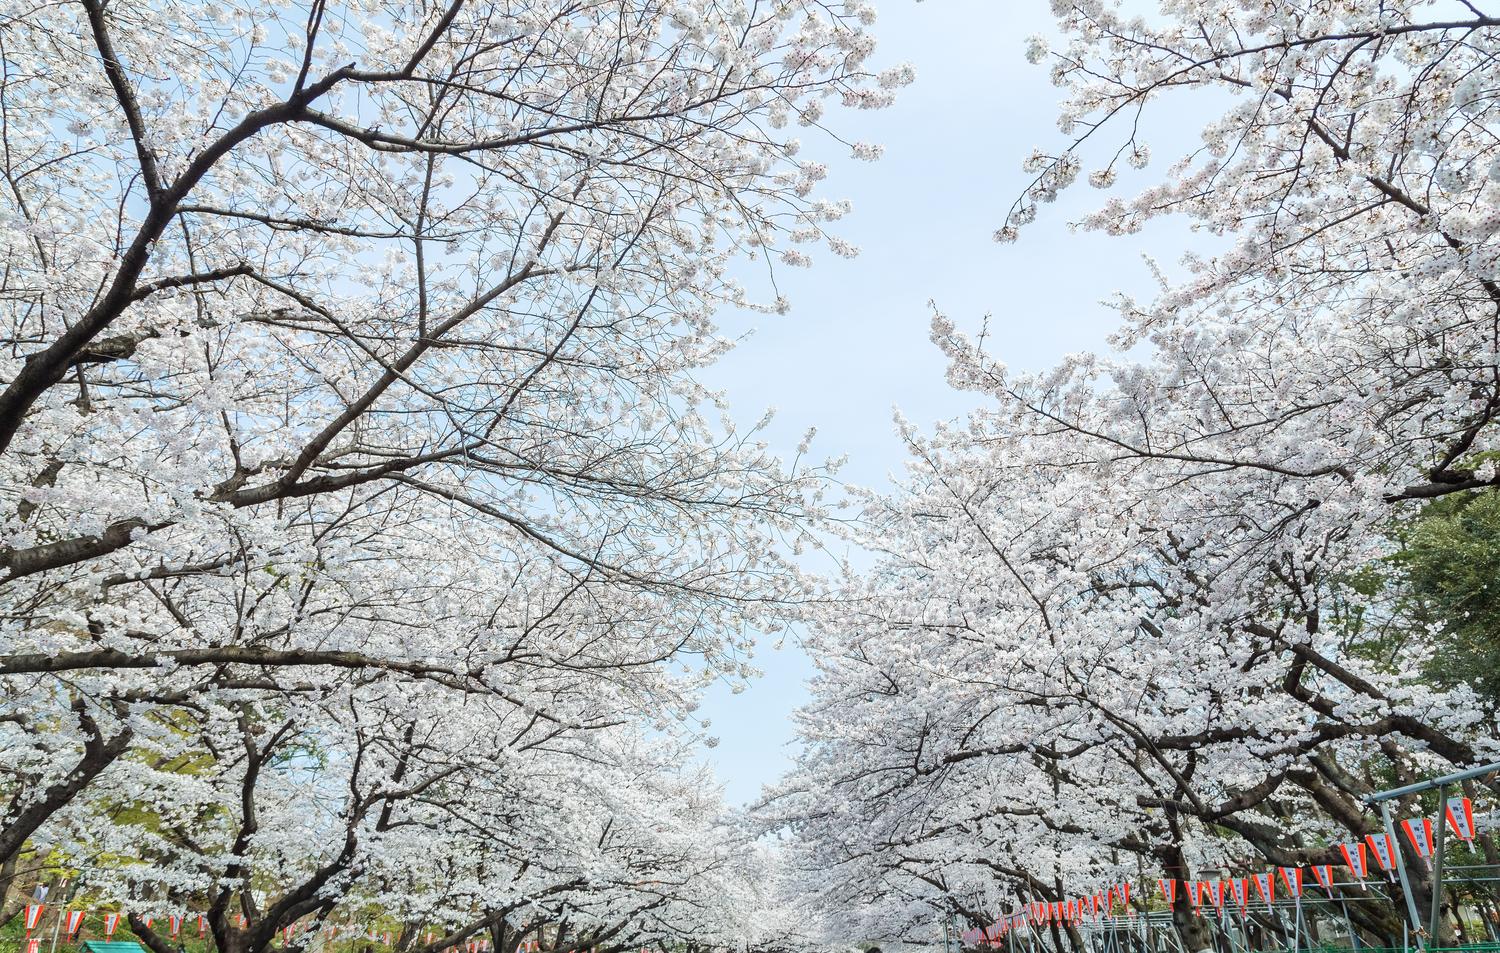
<point x="1127" y="620"/>
<point x="354" y="466"/>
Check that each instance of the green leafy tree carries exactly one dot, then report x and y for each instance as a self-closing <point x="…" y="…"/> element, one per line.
<point x="1451" y="565"/>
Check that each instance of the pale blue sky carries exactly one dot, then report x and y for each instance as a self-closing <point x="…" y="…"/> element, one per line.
<point x="855" y="343"/>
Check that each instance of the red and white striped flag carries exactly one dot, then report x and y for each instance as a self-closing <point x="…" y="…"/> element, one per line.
<point x="73" y="925"/>
<point x="1384" y="847"/>
<point x="1354" y="859"/>
<point x="1216" y="892"/>
<point x="1265" y="885"/>
<point x="1292" y="877"/>
<point x="34" y="915"/>
<point x="1323" y="874"/>
<point x="1420" y="835"/>
<point x="1240" y="887"/>
<point x="1168" y="891"/>
<point x="174" y="924"/>
<point x="1461" y="818"/>
<point x="111" y="920"/>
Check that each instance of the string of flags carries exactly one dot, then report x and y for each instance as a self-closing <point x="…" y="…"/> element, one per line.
<point x="1242" y="891"/>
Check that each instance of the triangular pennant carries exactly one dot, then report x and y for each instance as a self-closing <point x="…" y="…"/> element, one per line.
<point x="1419" y="832"/>
<point x="111" y="920"/>
<point x="1323" y="874"/>
<point x="1292" y="877"/>
<point x="1460" y="813"/>
<point x="1240" y="887"/>
<point x="74" y="924"/>
<point x="1265" y="885"/>
<point x="33" y="915"/>
<point x="1354" y="859"/>
<point x="1384" y="848"/>
<point x="1216" y="892"/>
<point x="1168" y="891"/>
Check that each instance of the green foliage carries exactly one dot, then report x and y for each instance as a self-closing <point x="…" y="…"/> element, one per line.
<point x="1451" y="569"/>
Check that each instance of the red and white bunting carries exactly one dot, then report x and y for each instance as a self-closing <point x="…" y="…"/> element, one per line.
<point x="1323" y="874"/>
<point x="1216" y="892"/>
<point x="1384" y="848"/>
<point x="1168" y="891"/>
<point x="34" y="945"/>
<point x="34" y="915"/>
<point x="1292" y="877"/>
<point x="202" y="927"/>
<point x="1354" y="859"/>
<point x="111" y="921"/>
<point x="1460" y="811"/>
<point x="73" y="924"/>
<point x="1419" y="832"/>
<point x="148" y="920"/>
<point x="1125" y="895"/>
<point x="1265" y="885"/>
<point x="174" y="924"/>
<point x="1240" y="887"/>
